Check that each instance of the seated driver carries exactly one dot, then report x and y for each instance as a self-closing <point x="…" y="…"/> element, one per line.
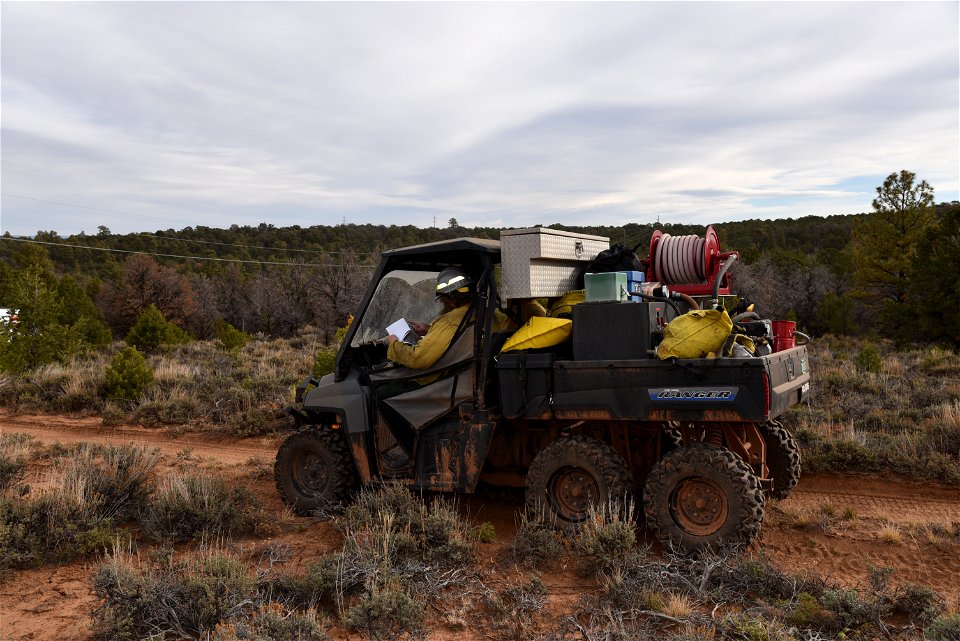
<point x="455" y="294"/>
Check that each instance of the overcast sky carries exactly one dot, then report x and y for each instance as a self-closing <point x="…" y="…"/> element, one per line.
<point x="150" y="116"/>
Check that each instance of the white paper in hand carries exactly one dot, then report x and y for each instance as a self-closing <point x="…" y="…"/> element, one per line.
<point x="402" y="330"/>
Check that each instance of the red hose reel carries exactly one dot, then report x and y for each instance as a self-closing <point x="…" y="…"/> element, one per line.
<point x="688" y="264"/>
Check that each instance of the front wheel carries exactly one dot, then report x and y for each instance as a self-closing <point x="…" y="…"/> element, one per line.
<point x="703" y="496"/>
<point x="314" y="470"/>
<point x="573" y="476"/>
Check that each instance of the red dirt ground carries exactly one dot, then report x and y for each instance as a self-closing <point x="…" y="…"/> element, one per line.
<point x="54" y="602"/>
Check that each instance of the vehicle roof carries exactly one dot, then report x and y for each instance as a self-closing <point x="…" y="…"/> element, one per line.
<point x="483" y="245"/>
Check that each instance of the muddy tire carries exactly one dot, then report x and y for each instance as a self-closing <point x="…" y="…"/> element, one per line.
<point x="570" y="476"/>
<point x="671" y="438"/>
<point x="314" y="470"/>
<point x="702" y="497"/>
<point x="783" y="459"/>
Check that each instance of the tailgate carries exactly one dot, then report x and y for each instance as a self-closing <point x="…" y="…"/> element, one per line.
<point x="693" y="390"/>
<point x="789" y="373"/>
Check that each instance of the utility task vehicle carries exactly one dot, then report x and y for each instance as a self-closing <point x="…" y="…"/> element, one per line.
<point x="578" y="424"/>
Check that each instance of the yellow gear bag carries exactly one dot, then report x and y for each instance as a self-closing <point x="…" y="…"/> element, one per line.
<point x="539" y="331"/>
<point x="697" y="334"/>
<point x="563" y="306"/>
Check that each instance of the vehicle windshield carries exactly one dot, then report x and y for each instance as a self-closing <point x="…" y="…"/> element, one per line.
<point x="400" y="294"/>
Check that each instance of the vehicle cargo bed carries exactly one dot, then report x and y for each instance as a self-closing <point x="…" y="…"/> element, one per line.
<point x="720" y="389"/>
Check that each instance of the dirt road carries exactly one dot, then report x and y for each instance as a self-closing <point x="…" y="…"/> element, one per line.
<point x="837" y="527"/>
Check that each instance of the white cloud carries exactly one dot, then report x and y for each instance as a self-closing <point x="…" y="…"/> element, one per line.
<point x="495" y="113"/>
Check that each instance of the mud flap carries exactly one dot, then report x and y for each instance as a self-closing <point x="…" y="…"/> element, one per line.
<point x="452" y="453"/>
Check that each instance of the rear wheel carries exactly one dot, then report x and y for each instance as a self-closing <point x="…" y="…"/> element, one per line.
<point x="571" y="476"/>
<point x="783" y="458"/>
<point x="703" y="496"/>
<point x="314" y="470"/>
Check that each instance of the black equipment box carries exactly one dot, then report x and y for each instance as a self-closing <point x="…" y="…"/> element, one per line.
<point x="618" y="331"/>
<point x="526" y="383"/>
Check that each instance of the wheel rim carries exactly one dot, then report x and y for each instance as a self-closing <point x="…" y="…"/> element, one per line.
<point x="310" y="474"/>
<point x="572" y="491"/>
<point x="699" y="506"/>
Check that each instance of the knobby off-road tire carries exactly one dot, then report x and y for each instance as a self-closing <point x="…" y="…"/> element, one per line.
<point x="314" y="470"/>
<point x="783" y="458"/>
<point x="571" y="476"/>
<point x="703" y="496"/>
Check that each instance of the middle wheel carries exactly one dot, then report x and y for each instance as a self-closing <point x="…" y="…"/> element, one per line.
<point x="703" y="496"/>
<point x="571" y="476"/>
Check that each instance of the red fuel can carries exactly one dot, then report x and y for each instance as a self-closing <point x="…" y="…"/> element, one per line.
<point x="784" y="335"/>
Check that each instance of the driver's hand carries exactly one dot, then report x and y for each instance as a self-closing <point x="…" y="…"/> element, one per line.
<point x="419" y="328"/>
<point x="391" y="338"/>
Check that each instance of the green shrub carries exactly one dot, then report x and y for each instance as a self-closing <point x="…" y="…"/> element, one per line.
<point x="760" y="576"/>
<point x="152" y="330"/>
<point x="515" y="607"/>
<point x="42" y="334"/>
<point x="128" y="375"/>
<point x="271" y="622"/>
<point x="484" y="533"/>
<point x="851" y="611"/>
<point x="318" y="585"/>
<point x="387" y="613"/>
<point x="168" y="411"/>
<point x="187" y="598"/>
<point x="806" y="612"/>
<point x="868" y="360"/>
<point x="324" y="362"/>
<point x="231" y="338"/>
<point x="536" y="543"/>
<point x="944" y="628"/>
<point x="918" y="603"/>
<point x="606" y="537"/>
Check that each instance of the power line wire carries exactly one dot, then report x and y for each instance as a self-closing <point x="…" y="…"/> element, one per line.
<point x="130" y="251"/>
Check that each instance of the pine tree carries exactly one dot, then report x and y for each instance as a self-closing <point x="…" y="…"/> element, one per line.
<point x="936" y="280"/>
<point x="885" y="244"/>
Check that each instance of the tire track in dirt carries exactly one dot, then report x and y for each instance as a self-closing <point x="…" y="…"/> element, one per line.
<point x="899" y="501"/>
<point x="843" y="550"/>
<point x="226" y="448"/>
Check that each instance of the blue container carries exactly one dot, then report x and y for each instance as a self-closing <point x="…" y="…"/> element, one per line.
<point x="635" y="282"/>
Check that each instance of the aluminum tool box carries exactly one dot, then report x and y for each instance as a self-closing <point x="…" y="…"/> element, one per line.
<point x="541" y="262"/>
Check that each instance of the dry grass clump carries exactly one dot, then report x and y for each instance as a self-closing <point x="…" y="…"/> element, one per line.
<point x="937" y="534"/>
<point x="399" y="553"/>
<point x="243" y="390"/>
<point x="678" y="606"/>
<point x="678" y="598"/>
<point x="79" y="507"/>
<point x="889" y="534"/>
<point x="536" y="543"/>
<point x="903" y="418"/>
<point x="199" y="506"/>
<point x="14" y="451"/>
<point x="513" y="609"/>
<point x="213" y="595"/>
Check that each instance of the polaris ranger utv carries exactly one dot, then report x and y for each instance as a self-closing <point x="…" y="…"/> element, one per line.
<point x="579" y="424"/>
